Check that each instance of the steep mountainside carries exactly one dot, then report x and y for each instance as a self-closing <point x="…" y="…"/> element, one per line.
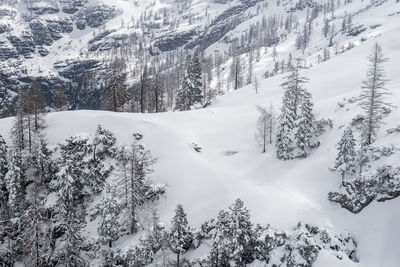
<point x="69" y="43"/>
<point x="208" y="157"/>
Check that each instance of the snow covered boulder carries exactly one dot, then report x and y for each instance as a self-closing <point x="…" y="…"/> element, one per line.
<point x="383" y="184"/>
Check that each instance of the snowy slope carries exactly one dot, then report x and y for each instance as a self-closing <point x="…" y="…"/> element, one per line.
<point x="276" y="192"/>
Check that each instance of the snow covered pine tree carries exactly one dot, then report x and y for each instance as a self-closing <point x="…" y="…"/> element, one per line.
<point x="190" y="92"/>
<point x="345" y="160"/>
<point x="181" y="236"/>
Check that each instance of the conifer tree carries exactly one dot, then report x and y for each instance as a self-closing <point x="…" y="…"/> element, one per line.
<point x="196" y="95"/>
<point x="291" y="101"/>
<point x="284" y="137"/>
<point x="373" y="94"/>
<point x="115" y="94"/>
<point x="220" y="254"/>
<point x="305" y="125"/>
<point x="181" y="235"/>
<point x="233" y="239"/>
<point x="294" y="84"/>
<point x="44" y="162"/>
<point x="5" y="220"/>
<point x="60" y="99"/>
<point x="70" y="174"/>
<point x="144" y="84"/>
<point x="35" y="242"/>
<point x="345" y="162"/>
<point x="18" y="130"/>
<point x="16" y="182"/>
<point x="241" y="233"/>
<point x="190" y="92"/>
<point x="236" y="72"/>
<point x="70" y="253"/>
<point x="8" y="232"/>
<point x="4" y="98"/>
<point x="139" y="163"/>
<point x="109" y="211"/>
<point x="3" y="161"/>
<point x="38" y="106"/>
<point x="70" y="188"/>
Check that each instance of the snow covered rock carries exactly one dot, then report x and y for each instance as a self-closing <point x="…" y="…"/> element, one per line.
<point x="381" y="185"/>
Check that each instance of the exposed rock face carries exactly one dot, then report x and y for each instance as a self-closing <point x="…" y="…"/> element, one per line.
<point x="42" y="7"/>
<point x="24" y="45"/>
<point x="4" y="28"/>
<point x="6" y="12"/>
<point x="7" y="52"/>
<point x="34" y="28"/>
<point x="72" y="6"/>
<point x="174" y="41"/>
<point x="75" y="68"/>
<point x="302" y="4"/>
<point x="95" y="16"/>
<point x="41" y="35"/>
<point x="222" y="24"/>
<point x="83" y="91"/>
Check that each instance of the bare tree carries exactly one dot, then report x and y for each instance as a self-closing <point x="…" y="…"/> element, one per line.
<point x="373" y="94"/>
<point x="265" y="126"/>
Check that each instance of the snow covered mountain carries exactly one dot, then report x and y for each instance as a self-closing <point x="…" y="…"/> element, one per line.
<point x="54" y="42"/>
<point x="208" y="157"/>
<point x="69" y="43"/>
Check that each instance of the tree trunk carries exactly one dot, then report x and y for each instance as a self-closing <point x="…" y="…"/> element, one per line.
<point x="29" y="134"/>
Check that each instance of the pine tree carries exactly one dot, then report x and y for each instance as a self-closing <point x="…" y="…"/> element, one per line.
<point x="181" y="236"/>
<point x="373" y="94"/>
<point x="144" y="84"/>
<point x="220" y="254"/>
<point x="38" y="107"/>
<point x="3" y="161"/>
<point x="305" y="125"/>
<point x="8" y="254"/>
<point x="4" y="98"/>
<point x="284" y="138"/>
<point x="70" y="188"/>
<point x="18" y="130"/>
<point x="190" y="92"/>
<point x="326" y="28"/>
<point x="294" y="84"/>
<point x="109" y="211"/>
<point x="195" y="92"/>
<point x="234" y="238"/>
<point x="71" y="249"/>
<point x="5" y="220"/>
<point x="241" y="233"/>
<point x="345" y="162"/>
<point x="60" y="99"/>
<point x="291" y="101"/>
<point x="16" y="182"/>
<point x="70" y="174"/>
<point x="35" y="242"/>
<point x="139" y="163"/>
<point x="236" y="72"/>
<point x="115" y="94"/>
<point x="44" y="162"/>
